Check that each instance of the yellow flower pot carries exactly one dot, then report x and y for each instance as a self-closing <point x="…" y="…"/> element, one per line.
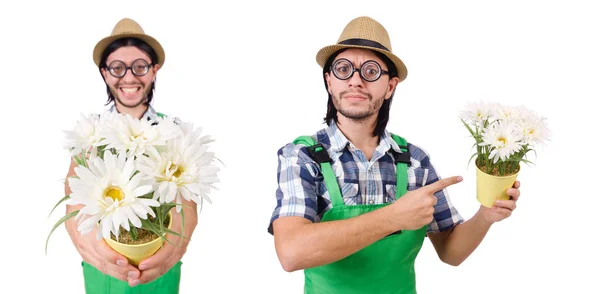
<point x="491" y="188"/>
<point x="135" y="253"/>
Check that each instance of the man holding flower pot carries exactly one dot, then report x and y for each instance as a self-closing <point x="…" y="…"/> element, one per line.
<point x="128" y="61"/>
<point x="355" y="202"/>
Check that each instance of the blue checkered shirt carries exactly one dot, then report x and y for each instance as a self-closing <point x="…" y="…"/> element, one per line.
<point x="302" y="191"/>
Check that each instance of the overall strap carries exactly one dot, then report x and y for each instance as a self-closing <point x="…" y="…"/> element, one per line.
<point x="402" y="163"/>
<point x="319" y="154"/>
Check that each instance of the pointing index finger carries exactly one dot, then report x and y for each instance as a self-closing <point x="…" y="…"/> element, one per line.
<point x="443" y="183"/>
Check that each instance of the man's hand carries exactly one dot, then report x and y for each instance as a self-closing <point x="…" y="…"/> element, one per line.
<point x="159" y="263"/>
<point x="98" y="254"/>
<point x="454" y="246"/>
<point x="415" y="208"/>
<point x="169" y="254"/>
<point x="502" y="208"/>
<point x="93" y="251"/>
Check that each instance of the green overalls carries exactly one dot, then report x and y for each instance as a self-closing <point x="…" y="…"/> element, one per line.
<point x="98" y="283"/>
<point x="386" y="266"/>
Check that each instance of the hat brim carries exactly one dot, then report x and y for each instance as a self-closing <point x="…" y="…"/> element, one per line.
<point x="327" y="51"/>
<point x="101" y="46"/>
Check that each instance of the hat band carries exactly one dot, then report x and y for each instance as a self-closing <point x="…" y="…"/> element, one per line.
<point x="363" y="42"/>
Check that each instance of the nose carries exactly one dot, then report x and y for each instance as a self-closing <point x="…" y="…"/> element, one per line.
<point x="355" y="80"/>
<point x="128" y="75"/>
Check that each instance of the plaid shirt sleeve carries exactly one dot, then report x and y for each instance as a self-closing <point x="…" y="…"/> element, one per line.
<point x="445" y="216"/>
<point x="296" y="192"/>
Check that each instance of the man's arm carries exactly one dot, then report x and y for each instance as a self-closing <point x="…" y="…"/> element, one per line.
<point x="302" y="244"/>
<point x="93" y="251"/>
<point x="454" y="246"/>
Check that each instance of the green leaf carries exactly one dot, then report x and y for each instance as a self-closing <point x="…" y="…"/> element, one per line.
<point x="79" y="161"/>
<point x="58" y="223"/>
<point x="59" y="202"/>
<point x="165" y="208"/>
<point x="182" y="225"/>
<point x="152" y="227"/>
<point x="468" y="128"/>
<point x="160" y="230"/>
<point x="133" y="232"/>
<point x="475" y="145"/>
<point x="472" y="156"/>
<point x="527" y="161"/>
<point x="534" y="152"/>
<point x="201" y="205"/>
<point x="168" y="231"/>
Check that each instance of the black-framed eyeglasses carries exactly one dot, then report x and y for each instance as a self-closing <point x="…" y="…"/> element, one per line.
<point x="139" y="68"/>
<point x="369" y="71"/>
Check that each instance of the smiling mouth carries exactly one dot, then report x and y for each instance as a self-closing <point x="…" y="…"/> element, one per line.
<point x="129" y="90"/>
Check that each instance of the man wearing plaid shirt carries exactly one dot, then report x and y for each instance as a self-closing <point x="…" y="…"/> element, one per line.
<point x="354" y="211"/>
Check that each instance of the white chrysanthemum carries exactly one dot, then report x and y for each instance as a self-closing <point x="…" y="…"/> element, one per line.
<point x="534" y="128"/>
<point x="505" y="113"/>
<point x="503" y="138"/>
<point x="85" y="135"/>
<point x="168" y="127"/>
<point x="477" y="113"/>
<point x="110" y="195"/>
<point x="136" y="137"/>
<point x="184" y="170"/>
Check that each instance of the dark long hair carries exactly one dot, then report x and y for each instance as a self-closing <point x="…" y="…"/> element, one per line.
<point x="122" y="43"/>
<point x="384" y="112"/>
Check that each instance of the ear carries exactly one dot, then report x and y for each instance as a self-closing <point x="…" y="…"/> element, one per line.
<point x="328" y="80"/>
<point x="391" y="87"/>
<point x="155" y="69"/>
<point x="104" y="73"/>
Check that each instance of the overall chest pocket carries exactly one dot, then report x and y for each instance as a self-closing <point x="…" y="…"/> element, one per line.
<point x="350" y="192"/>
<point x="416" y="178"/>
<point x="390" y="193"/>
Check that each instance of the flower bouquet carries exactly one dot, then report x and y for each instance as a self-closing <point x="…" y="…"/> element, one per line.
<point x="130" y="174"/>
<point x="504" y="135"/>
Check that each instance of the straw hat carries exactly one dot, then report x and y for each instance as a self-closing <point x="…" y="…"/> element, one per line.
<point x="126" y="28"/>
<point x="365" y="33"/>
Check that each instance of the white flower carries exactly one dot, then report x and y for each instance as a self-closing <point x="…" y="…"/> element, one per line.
<point x="110" y="195"/>
<point x="505" y="113"/>
<point x="136" y="137"/>
<point x="183" y="170"/>
<point x="168" y="127"/>
<point x="534" y="127"/>
<point x="477" y="113"/>
<point x="85" y="135"/>
<point x="503" y="138"/>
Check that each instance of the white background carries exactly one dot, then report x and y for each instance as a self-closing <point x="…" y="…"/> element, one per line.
<point x="246" y="71"/>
